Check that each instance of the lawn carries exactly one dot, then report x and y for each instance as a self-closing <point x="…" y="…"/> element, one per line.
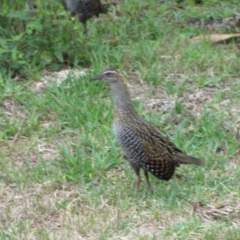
<point x="62" y="174"/>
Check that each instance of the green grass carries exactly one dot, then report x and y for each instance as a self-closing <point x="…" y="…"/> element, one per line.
<point x="62" y="173"/>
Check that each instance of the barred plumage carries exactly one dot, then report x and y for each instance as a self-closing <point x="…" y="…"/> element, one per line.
<point x="85" y="9"/>
<point x="142" y="144"/>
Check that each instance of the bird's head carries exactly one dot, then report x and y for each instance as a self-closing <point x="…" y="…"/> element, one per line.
<point x="109" y="75"/>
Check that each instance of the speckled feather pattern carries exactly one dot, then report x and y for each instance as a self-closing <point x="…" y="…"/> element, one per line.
<point x="85" y="9"/>
<point x="143" y="146"/>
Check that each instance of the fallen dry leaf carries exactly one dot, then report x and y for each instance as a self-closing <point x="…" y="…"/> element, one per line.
<point x="216" y="38"/>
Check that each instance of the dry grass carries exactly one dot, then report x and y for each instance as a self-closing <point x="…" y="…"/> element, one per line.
<point x="62" y="210"/>
<point x="62" y="174"/>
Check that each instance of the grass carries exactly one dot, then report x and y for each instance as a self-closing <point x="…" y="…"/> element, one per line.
<point x="63" y="175"/>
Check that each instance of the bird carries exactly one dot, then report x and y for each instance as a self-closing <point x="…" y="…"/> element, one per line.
<point x="85" y="9"/>
<point x="143" y="145"/>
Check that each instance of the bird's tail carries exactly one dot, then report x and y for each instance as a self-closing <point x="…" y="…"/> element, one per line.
<point x="184" y="159"/>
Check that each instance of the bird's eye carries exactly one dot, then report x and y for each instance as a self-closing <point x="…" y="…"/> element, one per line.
<point x="108" y="73"/>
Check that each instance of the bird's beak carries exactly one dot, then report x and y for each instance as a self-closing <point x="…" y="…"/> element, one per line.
<point x="97" y="77"/>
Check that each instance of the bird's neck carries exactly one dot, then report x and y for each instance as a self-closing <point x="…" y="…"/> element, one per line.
<point x="121" y="97"/>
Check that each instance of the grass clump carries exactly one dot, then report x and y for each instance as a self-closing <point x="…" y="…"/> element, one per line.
<point x="62" y="174"/>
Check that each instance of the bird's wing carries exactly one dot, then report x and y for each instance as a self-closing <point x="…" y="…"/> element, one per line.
<point x="159" y="151"/>
<point x="154" y="144"/>
<point x="159" y="147"/>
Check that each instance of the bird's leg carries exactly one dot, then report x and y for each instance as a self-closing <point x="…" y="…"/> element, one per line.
<point x="83" y="21"/>
<point x="136" y="169"/>
<point x="147" y="179"/>
<point x="138" y="182"/>
<point x="84" y="27"/>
